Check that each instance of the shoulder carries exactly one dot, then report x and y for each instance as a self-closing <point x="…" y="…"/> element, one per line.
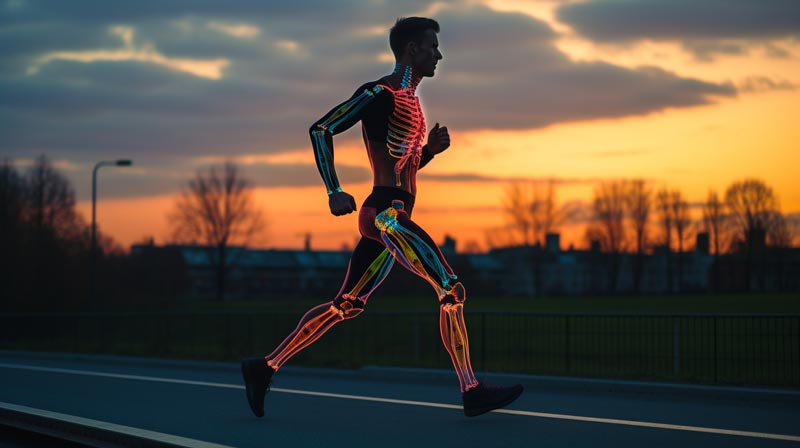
<point x="377" y="88"/>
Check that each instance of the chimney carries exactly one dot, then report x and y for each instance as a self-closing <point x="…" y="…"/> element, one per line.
<point x="552" y="243"/>
<point x="449" y="245"/>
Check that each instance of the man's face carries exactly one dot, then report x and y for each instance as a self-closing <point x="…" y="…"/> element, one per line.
<point x="426" y="54"/>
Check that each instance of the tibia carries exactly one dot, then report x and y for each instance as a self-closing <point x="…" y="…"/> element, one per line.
<point x="312" y="325"/>
<point x="454" y="336"/>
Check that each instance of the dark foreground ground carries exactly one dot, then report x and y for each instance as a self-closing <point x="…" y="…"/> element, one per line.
<point x="307" y="407"/>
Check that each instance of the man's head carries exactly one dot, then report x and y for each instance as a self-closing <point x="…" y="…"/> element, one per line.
<point x="413" y="41"/>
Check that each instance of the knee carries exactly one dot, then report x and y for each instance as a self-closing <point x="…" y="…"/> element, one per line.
<point x="348" y="306"/>
<point x="456" y="294"/>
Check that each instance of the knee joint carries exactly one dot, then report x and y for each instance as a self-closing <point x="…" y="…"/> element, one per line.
<point x="348" y="306"/>
<point x="456" y="294"/>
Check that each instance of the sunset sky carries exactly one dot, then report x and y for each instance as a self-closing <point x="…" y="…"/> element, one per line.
<point x="690" y="95"/>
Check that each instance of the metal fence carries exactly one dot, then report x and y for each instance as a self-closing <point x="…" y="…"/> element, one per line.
<point x="724" y="349"/>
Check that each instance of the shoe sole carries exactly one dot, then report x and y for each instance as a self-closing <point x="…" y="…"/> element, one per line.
<point x="246" y="374"/>
<point x="479" y="411"/>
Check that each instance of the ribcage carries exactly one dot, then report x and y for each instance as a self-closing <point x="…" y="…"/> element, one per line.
<point x="406" y="125"/>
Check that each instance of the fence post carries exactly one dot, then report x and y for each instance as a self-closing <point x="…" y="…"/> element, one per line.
<point x="676" y="347"/>
<point x="566" y="345"/>
<point x="716" y="379"/>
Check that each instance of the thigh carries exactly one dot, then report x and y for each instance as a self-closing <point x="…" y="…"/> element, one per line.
<point x="369" y="264"/>
<point x="414" y="248"/>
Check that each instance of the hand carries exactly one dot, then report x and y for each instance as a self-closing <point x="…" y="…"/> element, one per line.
<point x="341" y="203"/>
<point x="438" y="139"/>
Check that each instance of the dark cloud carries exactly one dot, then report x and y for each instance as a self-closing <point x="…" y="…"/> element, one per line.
<point x="312" y="12"/>
<point x="765" y="83"/>
<point x="522" y="81"/>
<point x="501" y="71"/>
<point x="776" y="52"/>
<point x="698" y="23"/>
<point x="707" y="50"/>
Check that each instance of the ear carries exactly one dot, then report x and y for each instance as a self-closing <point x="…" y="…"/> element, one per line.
<point x="411" y="48"/>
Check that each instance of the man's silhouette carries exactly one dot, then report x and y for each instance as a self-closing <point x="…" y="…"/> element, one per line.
<point x="393" y="128"/>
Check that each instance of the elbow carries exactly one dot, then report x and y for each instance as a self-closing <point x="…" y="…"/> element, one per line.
<point x="317" y="129"/>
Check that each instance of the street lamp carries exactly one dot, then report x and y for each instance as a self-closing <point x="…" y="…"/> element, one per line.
<point x="93" y="254"/>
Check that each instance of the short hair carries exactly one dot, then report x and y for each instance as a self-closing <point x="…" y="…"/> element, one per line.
<point x="409" y="29"/>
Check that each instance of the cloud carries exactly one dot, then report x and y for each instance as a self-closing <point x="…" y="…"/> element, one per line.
<point x="168" y="82"/>
<point x="211" y="69"/>
<point x="475" y="177"/>
<point x="699" y="24"/>
<point x="765" y="83"/>
<point x="240" y="30"/>
<point x="705" y="50"/>
<point x="514" y="77"/>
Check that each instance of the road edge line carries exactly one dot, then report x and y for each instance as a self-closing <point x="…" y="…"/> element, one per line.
<point x="91" y="432"/>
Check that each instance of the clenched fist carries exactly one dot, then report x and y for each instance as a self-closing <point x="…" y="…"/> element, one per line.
<point x="341" y="203"/>
<point x="438" y="139"/>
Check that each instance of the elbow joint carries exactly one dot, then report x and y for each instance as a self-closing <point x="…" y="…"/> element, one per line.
<point x="317" y="129"/>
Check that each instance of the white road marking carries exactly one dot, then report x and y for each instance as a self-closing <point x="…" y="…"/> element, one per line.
<point x="731" y="432"/>
<point x="122" y="429"/>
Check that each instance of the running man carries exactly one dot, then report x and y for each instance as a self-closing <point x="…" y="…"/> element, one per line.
<point x="393" y="128"/>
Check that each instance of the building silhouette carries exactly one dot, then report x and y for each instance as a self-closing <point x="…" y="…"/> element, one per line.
<point x="509" y="271"/>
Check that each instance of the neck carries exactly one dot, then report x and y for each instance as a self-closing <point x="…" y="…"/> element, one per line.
<point x="405" y="76"/>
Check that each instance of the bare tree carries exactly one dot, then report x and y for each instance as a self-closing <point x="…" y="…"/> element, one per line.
<point x="503" y="236"/>
<point x="12" y="203"/>
<point x="752" y="205"/>
<point x="714" y="222"/>
<point x="50" y="204"/>
<point x="56" y="234"/>
<point x="681" y="221"/>
<point x="217" y="210"/>
<point x="517" y="210"/>
<point x="664" y="208"/>
<point x="44" y="240"/>
<point x="609" y="218"/>
<point x="779" y="238"/>
<point x="639" y="203"/>
<point x="534" y="212"/>
<point x="779" y="233"/>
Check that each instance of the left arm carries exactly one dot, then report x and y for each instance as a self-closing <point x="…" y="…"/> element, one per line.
<point x="438" y="141"/>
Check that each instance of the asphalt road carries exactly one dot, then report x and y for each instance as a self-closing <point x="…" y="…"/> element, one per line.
<point x="314" y="408"/>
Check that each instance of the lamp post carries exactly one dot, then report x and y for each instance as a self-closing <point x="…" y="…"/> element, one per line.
<point x="93" y="254"/>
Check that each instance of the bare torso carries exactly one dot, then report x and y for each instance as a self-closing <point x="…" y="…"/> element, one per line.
<point x="382" y="160"/>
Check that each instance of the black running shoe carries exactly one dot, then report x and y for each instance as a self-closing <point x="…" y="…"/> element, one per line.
<point x="257" y="379"/>
<point x="485" y="397"/>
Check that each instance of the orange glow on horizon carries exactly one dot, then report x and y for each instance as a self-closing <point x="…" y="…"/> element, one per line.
<point x="692" y="149"/>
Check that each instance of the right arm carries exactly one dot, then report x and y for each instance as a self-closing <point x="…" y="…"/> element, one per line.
<point x="339" y="119"/>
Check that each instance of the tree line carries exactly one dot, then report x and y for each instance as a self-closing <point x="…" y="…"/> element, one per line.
<point x="45" y="244"/>
<point x="631" y="216"/>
